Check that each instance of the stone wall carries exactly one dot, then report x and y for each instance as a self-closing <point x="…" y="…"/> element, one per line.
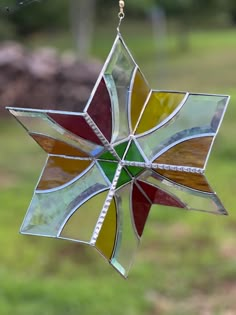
<point x="43" y="79"/>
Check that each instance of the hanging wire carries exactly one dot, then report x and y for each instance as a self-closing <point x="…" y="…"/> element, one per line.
<point x="121" y="14"/>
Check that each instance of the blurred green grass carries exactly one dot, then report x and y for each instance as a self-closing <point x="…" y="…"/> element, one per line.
<point x="187" y="261"/>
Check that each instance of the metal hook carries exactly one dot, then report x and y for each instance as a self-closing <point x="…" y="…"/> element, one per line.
<point x="121" y="14"/>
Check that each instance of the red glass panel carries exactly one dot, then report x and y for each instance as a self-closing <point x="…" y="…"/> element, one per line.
<point x="141" y="207"/>
<point x="100" y="110"/>
<point x="159" y="197"/>
<point x="75" y="124"/>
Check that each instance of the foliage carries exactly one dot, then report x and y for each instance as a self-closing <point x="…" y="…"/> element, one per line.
<point x="7" y="30"/>
<point x="51" y="15"/>
<point x="182" y="7"/>
<point x="40" y="16"/>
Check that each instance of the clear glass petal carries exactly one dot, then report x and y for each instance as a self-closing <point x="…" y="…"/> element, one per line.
<point x="48" y="212"/>
<point x="200" y="115"/>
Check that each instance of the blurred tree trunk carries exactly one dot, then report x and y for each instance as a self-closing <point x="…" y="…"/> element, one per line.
<point x="82" y="13"/>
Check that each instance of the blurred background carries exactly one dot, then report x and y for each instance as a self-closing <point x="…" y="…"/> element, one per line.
<point x="50" y="54"/>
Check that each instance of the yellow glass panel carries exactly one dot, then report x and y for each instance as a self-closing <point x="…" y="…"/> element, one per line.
<point x="57" y="147"/>
<point x="191" y="180"/>
<point x="140" y="93"/>
<point x="107" y="236"/>
<point x="81" y="225"/>
<point x="192" y="152"/>
<point x="60" y="171"/>
<point x="159" y="107"/>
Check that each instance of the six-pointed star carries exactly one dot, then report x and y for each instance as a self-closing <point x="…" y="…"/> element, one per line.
<point x="131" y="147"/>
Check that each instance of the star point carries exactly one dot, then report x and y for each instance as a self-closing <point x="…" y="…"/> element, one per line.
<point x="131" y="147"/>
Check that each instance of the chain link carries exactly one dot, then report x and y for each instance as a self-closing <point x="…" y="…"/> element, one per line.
<point x="122" y="6"/>
<point x="121" y="14"/>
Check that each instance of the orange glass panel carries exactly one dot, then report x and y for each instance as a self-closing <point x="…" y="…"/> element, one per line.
<point x="140" y="93"/>
<point x="188" y="153"/>
<point x="60" y="171"/>
<point x="159" y="107"/>
<point x="107" y="236"/>
<point x="81" y="225"/>
<point x="191" y="180"/>
<point x="57" y="147"/>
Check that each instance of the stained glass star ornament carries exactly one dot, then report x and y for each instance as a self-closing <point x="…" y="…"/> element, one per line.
<point x="131" y="147"/>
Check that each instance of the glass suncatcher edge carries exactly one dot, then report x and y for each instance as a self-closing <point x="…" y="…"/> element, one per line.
<point x="124" y="131"/>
